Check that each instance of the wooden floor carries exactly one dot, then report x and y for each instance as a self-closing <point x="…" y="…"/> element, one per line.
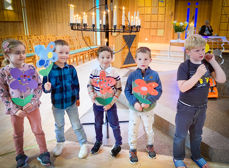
<point x="103" y="159"/>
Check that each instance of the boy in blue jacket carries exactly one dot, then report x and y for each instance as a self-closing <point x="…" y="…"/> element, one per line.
<point x="143" y="89"/>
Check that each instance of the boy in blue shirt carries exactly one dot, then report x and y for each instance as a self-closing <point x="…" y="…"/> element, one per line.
<point x="193" y="82"/>
<point x="64" y="87"/>
<point x="143" y="89"/>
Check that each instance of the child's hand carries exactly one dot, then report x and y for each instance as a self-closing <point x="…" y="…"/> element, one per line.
<point x="137" y="106"/>
<point x="47" y="86"/>
<point x="201" y="70"/>
<point x="77" y="102"/>
<point x="209" y="57"/>
<point x="145" y="106"/>
<point x="107" y="107"/>
<point x="28" y="107"/>
<point x="20" y="113"/>
<point x="93" y="99"/>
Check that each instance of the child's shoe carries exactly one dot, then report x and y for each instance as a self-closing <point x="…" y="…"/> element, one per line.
<point x="96" y="147"/>
<point x="150" y="151"/>
<point x="21" y="160"/>
<point x="83" y="151"/>
<point x="44" y="159"/>
<point x="115" y="150"/>
<point x="133" y="156"/>
<point x="58" y="149"/>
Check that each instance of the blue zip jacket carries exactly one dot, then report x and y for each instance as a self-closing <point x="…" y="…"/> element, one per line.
<point x="149" y="76"/>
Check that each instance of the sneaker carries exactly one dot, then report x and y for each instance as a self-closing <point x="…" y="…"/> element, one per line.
<point x="150" y="151"/>
<point x="58" y="149"/>
<point x="115" y="150"/>
<point x="133" y="156"/>
<point x="83" y="151"/>
<point x="44" y="159"/>
<point x="21" y="160"/>
<point x="96" y="147"/>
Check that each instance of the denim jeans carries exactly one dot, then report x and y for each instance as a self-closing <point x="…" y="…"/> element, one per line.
<point x="188" y="119"/>
<point x="73" y="115"/>
<point x="112" y="119"/>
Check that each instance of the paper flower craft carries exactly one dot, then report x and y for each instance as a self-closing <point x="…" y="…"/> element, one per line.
<point x="23" y="80"/>
<point x="104" y="83"/>
<point x="144" y="88"/>
<point x="46" y="55"/>
<point x="141" y="89"/>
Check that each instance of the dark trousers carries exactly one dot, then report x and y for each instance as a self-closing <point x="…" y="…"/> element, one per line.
<point x="112" y="119"/>
<point x="188" y="119"/>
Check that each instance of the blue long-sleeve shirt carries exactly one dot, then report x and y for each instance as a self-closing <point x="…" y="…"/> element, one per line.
<point x="149" y="77"/>
<point x="65" y="86"/>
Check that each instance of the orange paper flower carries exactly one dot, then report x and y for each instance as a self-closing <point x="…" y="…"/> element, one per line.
<point x="143" y="88"/>
<point x="104" y="83"/>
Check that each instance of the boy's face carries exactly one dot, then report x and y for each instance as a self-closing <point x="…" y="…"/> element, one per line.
<point x="105" y="59"/>
<point x="63" y="53"/>
<point x="143" y="60"/>
<point x="196" y="54"/>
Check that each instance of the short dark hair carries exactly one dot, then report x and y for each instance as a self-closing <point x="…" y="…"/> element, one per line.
<point x="60" y="42"/>
<point x="105" y="48"/>
<point x="143" y="50"/>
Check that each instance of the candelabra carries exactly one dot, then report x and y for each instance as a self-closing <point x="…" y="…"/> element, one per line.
<point x="133" y="22"/>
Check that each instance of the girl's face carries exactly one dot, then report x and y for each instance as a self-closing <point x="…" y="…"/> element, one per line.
<point x="105" y="59"/>
<point x="17" y="55"/>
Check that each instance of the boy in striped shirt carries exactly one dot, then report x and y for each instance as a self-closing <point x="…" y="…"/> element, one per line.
<point x="104" y="88"/>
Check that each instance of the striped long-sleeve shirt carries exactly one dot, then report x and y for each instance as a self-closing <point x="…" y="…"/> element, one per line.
<point x="95" y="90"/>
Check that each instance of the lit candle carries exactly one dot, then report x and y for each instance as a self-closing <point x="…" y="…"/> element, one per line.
<point x="138" y="14"/>
<point x="123" y="16"/>
<point x="79" y="19"/>
<point x="136" y="21"/>
<point x="84" y="18"/>
<point x="104" y="18"/>
<point x="115" y="16"/>
<point x="191" y="28"/>
<point x="75" y="18"/>
<point x="129" y="18"/>
<point x="132" y="20"/>
<point x="71" y="13"/>
<point x="93" y="18"/>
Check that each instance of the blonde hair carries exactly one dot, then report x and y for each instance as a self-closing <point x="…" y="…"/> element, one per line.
<point x="7" y="45"/>
<point x="143" y="50"/>
<point x="194" y="41"/>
